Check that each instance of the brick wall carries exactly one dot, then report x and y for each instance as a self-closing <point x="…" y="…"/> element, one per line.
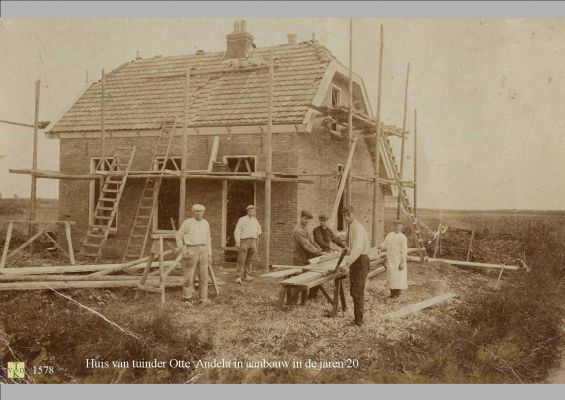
<point x="74" y="195"/>
<point x="320" y="153"/>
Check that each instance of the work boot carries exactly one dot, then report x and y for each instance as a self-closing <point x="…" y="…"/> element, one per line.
<point x="248" y="279"/>
<point x="238" y="281"/>
<point x="204" y="302"/>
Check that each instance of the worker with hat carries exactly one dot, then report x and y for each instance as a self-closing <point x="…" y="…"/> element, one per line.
<point x="195" y="244"/>
<point x="246" y="233"/>
<point x="357" y="261"/>
<point x="324" y="236"/>
<point x="396" y="246"/>
<point x="304" y="245"/>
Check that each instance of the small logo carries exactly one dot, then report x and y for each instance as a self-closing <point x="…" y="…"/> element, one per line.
<point x="16" y="370"/>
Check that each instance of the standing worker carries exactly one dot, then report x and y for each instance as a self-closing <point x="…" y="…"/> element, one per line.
<point x="357" y="261"/>
<point x="396" y="246"/>
<point x="324" y="236"/>
<point x="304" y="246"/>
<point x="246" y="233"/>
<point x="195" y="242"/>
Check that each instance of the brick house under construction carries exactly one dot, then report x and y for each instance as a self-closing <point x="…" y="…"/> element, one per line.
<point x="226" y="123"/>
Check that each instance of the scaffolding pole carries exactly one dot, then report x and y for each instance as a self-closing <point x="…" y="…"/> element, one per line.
<point x="182" y="189"/>
<point x="376" y="184"/>
<point x="269" y="165"/>
<point x="415" y="159"/>
<point x="33" y="196"/>
<point x="102" y="127"/>
<point x="350" y="108"/>
<point x="403" y="137"/>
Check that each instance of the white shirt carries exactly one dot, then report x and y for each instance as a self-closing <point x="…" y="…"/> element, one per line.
<point x="247" y="228"/>
<point x="193" y="233"/>
<point x="357" y="241"/>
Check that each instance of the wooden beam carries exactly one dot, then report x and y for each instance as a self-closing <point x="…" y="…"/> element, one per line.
<point x="25" y="221"/>
<point x="213" y="152"/>
<point x="269" y="165"/>
<point x="376" y="185"/>
<point x="33" y="200"/>
<point x="69" y="242"/>
<point x="184" y="154"/>
<point x="348" y="198"/>
<point x="79" y="284"/>
<point x="460" y="263"/>
<point x="30" y="240"/>
<point x="53" y="174"/>
<point x="376" y="272"/>
<point x="70" y="269"/>
<point x="415" y="162"/>
<point x="69" y="278"/>
<point x="121" y="267"/>
<point x="403" y="136"/>
<point x="6" y="245"/>
<point x="346" y="168"/>
<point x="41" y="125"/>
<point x="102" y="126"/>
<point x="412" y="308"/>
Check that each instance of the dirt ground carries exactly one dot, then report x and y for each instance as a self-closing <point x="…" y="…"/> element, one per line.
<point x="245" y="323"/>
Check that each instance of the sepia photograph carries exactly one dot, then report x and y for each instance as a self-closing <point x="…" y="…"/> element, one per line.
<point x="305" y="200"/>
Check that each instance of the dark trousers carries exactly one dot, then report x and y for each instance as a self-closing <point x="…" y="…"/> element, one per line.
<point x="245" y="256"/>
<point x="395" y="292"/>
<point x="357" y="277"/>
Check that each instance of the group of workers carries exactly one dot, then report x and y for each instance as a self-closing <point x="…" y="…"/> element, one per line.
<point x="194" y="242"/>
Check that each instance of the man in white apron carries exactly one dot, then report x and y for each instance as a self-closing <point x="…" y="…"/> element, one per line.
<point x="396" y="246"/>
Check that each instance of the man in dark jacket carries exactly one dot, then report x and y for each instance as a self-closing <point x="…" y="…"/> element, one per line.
<point x="324" y="236"/>
<point x="304" y="246"/>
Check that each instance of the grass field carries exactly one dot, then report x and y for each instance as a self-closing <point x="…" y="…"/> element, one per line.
<point x="507" y="334"/>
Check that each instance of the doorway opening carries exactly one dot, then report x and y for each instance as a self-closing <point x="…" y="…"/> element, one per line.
<point x="167" y="210"/>
<point x="238" y="195"/>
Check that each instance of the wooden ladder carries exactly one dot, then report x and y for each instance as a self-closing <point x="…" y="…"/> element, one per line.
<point x="107" y="205"/>
<point x="139" y="233"/>
<point x="403" y="195"/>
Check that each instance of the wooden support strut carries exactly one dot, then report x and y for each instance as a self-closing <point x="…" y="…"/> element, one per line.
<point x="346" y="168"/>
<point x="376" y="185"/>
<point x="269" y="165"/>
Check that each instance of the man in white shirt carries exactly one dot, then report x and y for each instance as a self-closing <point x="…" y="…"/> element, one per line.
<point x="195" y="242"/>
<point x="357" y="261"/>
<point x="246" y="233"/>
<point x="396" y="246"/>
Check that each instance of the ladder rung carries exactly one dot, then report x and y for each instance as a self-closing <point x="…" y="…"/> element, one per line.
<point x="83" y="253"/>
<point x="101" y="227"/>
<point x="94" y="235"/>
<point x="102" y="217"/>
<point x="139" y="236"/>
<point x="104" y="208"/>
<point x="107" y="199"/>
<point x="106" y="190"/>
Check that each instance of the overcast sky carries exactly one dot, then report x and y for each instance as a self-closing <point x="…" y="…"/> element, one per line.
<point x="490" y="93"/>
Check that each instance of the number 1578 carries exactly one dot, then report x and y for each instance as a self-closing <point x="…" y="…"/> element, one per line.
<point x="43" y="370"/>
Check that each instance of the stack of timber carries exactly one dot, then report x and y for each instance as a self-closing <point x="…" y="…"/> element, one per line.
<point x="88" y="276"/>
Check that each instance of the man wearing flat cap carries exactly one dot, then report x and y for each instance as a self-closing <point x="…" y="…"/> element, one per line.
<point x="396" y="246"/>
<point x="246" y="233"/>
<point x="304" y="245"/>
<point x="195" y="242"/>
<point x="324" y="236"/>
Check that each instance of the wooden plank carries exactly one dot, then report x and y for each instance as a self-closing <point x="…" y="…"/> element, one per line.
<point x="120" y="267"/>
<point x="214" y="280"/>
<point x="412" y="308"/>
<point x="470" y="245"/>
<point x="6" y="244"/>
<point x="69" y="277"/>
<point x="37" y="222"/>
<point x="77" y="285"/>
<point x="213" y="152"/>
<point x="70" y="242"/>
<point x="301" y="279"/>
<point x="333" y="216"/>
<point x="376" y="272"/>
<point x="468" y="263"/>
<point x="69" y="269"/>
<point x="282" y="274"/>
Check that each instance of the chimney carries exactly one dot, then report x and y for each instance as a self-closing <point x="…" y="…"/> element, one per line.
<point x="291" y="38"/>
<point x="239" y="42"/>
